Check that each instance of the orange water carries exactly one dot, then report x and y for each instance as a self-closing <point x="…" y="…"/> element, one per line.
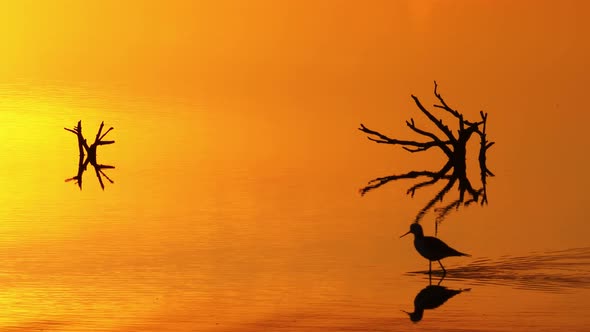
<point x="235" y="203"/>
<point x="199" y="234"/>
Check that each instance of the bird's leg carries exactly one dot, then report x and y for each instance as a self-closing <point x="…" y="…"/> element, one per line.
<point x="441" y="279"/>
<point x="429" y="279"/>
<point x="429" y="267"/>
<point x="443" y="268"/>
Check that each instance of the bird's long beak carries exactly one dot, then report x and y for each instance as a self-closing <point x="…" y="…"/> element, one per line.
<point x="405" y="234"/>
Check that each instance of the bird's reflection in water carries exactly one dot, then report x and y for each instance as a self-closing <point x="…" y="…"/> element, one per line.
<point x="431" y="297"/>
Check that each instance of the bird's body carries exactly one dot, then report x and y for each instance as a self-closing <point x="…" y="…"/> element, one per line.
<point x="431" y="247"/>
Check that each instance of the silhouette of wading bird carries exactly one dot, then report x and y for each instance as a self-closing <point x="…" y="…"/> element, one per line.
<point x="431" y="247"/>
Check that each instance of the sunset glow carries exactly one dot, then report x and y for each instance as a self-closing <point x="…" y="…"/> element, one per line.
<point x="234" y="203"/>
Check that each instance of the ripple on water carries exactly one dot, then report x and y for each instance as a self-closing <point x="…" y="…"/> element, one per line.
<point x="553" y="271"/>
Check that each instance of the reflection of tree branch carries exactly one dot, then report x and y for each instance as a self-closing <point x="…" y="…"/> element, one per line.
<point x="435" y="176"/>
<point x="445" y="210"/>
<point x="437" y="198"/>
<point x="412" y="190"/>
<point x="378" y="182"/>
<point x="99" y="172"/>
<point x="465" y="185"/>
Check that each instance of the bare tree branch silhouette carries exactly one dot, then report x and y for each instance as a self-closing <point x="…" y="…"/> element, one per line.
<point x="454" y="146"/>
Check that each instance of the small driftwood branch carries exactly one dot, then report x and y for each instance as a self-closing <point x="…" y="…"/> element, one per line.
<point x="90" y="153"/>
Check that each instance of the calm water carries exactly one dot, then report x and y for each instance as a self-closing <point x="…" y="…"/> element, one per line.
<point x="225" y="218"/>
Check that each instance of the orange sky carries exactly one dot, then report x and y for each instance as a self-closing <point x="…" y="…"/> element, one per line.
<point x="290" y="47"/>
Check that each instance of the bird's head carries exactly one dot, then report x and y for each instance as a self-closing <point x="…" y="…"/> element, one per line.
<point x="415" y="316"/>
<point x="415" y="229"/>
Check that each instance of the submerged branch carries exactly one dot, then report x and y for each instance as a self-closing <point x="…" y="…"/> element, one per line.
<point x="378" y="182"/>
<point x="438" y="197"/>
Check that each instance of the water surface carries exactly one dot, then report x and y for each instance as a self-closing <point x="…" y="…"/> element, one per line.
<point x="235" y="204"/>
<point x="196" y="235"/>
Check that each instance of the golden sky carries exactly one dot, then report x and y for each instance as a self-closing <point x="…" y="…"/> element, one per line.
<point x="253" y="47"/>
